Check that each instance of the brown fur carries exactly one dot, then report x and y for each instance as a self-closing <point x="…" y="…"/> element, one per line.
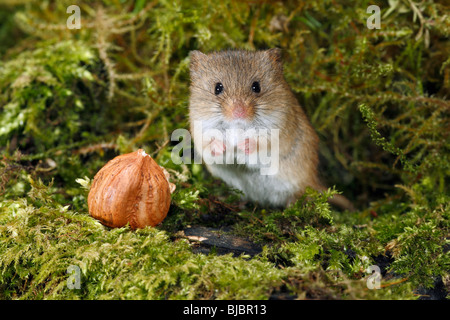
<point x="274" y="107"/>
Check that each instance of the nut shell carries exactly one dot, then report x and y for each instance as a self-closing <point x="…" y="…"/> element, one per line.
<point x="131" y="188"/>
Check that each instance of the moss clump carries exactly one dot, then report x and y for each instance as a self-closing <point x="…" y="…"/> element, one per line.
<point x="70" y="100"/>
<point x="41" y="240"/>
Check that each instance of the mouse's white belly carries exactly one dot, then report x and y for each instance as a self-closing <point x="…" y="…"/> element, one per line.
<point x="263" y="189"/>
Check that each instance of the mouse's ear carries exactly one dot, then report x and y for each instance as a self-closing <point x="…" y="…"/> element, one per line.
<point x="197" y="57"/>
<point x="275" y="55"/>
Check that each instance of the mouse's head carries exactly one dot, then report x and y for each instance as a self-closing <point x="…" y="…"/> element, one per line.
<point x="238" y="88"/>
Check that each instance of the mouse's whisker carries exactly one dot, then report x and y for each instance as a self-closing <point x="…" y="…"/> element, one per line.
<point x="196" y="87"/>
<point x="268" y="111"/>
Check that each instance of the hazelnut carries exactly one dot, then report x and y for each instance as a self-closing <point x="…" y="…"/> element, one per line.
<point x="131" y="188"/>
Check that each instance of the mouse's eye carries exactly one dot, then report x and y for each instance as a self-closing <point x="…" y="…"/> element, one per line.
<point x="256" y="87"/>
<point x="219" y="88"/>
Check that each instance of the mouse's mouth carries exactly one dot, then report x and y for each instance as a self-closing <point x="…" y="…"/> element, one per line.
<point x="237" y="124"/>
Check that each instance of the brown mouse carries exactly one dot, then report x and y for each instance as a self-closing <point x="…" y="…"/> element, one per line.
<point x="243" y="101"/>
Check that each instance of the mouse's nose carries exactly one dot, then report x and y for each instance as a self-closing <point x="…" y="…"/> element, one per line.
<point x="239" y="110"/>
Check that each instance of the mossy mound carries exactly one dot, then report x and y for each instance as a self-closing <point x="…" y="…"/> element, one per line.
<point x="72" y="99"/>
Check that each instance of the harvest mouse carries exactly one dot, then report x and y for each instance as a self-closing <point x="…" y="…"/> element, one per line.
<point x="254" y="123"/>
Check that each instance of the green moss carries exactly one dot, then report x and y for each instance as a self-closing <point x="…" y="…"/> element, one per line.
<point x="41" y="240"/>
<point x="70" y="100"/>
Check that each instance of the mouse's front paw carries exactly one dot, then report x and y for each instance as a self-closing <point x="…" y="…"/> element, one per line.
<point x="248" y="145"/>
<point x="217" y="147"/>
